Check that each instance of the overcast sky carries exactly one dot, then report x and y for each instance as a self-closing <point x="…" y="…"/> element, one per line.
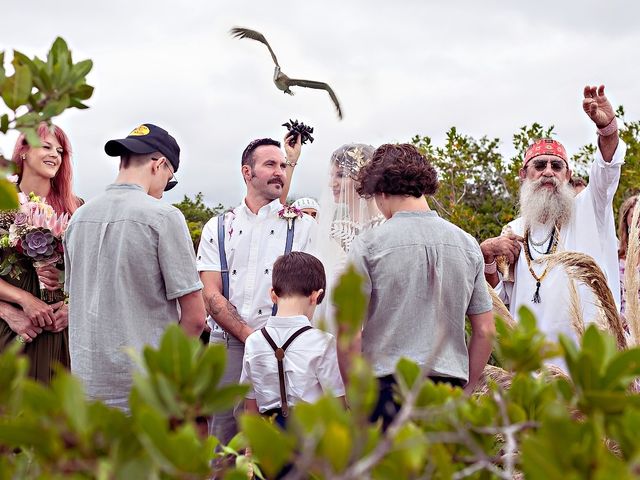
<point x="399" y="69"/>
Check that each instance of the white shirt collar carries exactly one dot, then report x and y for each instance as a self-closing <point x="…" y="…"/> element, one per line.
<point x="288" y="322"/>
<point x="273" y="207"/>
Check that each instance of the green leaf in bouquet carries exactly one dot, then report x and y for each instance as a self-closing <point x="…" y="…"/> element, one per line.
<point x="407" y="373"/>
<point x="8" y="195"/>
<point x="4" y="123"/>
<point x="271" y="446"/>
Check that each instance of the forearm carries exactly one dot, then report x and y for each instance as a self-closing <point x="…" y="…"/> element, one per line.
<point x="480" y="347"/>
<point x="226" y="315"/>
<point x="7" y="312"/>
<point x="492" y="279"/>
<point x="251" y="405"/>
<point x="608" y="145"/>
<point x="11" y="293"/>
<point x="192" y="313"/>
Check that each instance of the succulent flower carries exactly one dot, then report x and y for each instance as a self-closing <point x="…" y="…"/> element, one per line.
<point x="39" y="244"/>
<point x="20" y="219"/>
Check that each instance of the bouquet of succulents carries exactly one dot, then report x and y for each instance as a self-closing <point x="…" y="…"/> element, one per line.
<point x="35" y="232"/>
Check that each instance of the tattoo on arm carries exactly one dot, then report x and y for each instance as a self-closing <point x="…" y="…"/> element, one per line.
<point x="221" y="309"/>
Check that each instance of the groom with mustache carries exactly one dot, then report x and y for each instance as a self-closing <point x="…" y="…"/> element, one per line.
<point x="251" y="237"/>
<point x="553" y="219"/>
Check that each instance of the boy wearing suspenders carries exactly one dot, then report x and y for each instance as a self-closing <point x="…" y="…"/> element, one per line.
<point x="287" y="361"/>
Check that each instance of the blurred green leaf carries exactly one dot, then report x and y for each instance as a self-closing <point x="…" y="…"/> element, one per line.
<point x="8" y="195"/>
<point x="271" y="446"/>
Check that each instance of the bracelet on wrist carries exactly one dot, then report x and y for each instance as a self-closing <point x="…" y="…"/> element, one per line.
<point x="491" y="268"/>
<point x="610" y="129"/>
<point x="290" y="163"/>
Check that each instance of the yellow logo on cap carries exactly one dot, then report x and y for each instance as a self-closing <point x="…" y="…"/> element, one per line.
<point x="140" y="131"/>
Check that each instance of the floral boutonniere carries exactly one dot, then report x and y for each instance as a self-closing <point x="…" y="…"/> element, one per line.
<point x="289" y="213"/>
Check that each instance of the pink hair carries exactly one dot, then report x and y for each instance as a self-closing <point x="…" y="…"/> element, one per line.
<point x="61" y="196"/>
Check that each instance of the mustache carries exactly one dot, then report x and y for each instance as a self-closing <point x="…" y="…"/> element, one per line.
<point x="541" y="182"/>
<point x="279" y="181"/>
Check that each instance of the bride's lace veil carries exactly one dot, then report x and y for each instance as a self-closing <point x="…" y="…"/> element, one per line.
<point x="343" y="215"/>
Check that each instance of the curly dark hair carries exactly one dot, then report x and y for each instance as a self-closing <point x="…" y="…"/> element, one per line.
<point x="397" y="170"/>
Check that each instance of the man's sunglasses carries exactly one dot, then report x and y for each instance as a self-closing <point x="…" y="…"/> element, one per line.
<point x="541" y="165"/>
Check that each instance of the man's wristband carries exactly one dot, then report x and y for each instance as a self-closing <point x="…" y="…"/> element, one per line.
<point x="491" y="268"/>
<point x="290" y="163"/>
<point x="609" y="129"/>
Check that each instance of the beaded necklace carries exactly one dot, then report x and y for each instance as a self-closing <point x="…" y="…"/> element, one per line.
<point x="553" y="246"/>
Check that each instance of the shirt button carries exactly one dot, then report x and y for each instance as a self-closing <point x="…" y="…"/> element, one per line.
<point x="233" y="272"/>
<point x="266" y="271"/>
<point x="259" y="312"/>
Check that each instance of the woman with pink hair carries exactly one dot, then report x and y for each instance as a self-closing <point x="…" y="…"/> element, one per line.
<point x="45" y="171"/>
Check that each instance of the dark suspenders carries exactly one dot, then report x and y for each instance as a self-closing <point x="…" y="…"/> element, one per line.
<point x="224" y="268"/>
<point x="279" y="353"/>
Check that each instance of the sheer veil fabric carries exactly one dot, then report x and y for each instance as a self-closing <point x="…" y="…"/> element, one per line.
<point x="343" y="216"/>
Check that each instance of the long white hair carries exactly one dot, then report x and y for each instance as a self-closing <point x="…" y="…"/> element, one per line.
<point x="541" y="204"/>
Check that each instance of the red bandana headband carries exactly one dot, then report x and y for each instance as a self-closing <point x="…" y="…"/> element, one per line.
<point x="545" y="146"/>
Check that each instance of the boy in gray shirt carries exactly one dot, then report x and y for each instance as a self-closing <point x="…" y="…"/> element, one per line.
<point x="422" y="275"/>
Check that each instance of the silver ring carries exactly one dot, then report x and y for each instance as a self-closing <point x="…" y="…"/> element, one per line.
<point x="19" y="339"/>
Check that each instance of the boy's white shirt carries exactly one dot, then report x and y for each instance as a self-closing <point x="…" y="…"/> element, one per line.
<point x="310" y="364"/>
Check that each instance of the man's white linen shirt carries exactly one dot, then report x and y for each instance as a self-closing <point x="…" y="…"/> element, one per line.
<point x="310" y="364"/>
<point x="252" y="244"/>
<point x="591" y="230"/>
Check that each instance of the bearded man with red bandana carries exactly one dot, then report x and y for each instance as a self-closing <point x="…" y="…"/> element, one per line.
<point x="553" y="219"/>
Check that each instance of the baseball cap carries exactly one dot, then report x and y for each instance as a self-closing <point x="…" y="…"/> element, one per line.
<point x="147" y="138"/>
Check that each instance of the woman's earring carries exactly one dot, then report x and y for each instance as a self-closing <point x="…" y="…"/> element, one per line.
<point x="23" y="156"/>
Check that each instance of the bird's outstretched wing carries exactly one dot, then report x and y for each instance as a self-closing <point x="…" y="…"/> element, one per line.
<point x="294" y="82"/>
<point x="240" y="32"/>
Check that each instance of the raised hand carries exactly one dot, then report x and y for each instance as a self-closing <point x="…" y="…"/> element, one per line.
<point x="597" y="106"/>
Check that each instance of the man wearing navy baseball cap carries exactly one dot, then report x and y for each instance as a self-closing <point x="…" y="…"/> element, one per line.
<point x="130" y="264"/>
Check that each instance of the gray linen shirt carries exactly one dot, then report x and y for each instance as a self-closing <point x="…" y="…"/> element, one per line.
<point x="422" y="274"/>
<point x="128" y="257"/>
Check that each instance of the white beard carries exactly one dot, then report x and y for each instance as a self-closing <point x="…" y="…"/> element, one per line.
<point x="540" y="204"/>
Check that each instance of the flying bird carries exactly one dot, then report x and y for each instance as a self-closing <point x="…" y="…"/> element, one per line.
<point x="282" y="81"/>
